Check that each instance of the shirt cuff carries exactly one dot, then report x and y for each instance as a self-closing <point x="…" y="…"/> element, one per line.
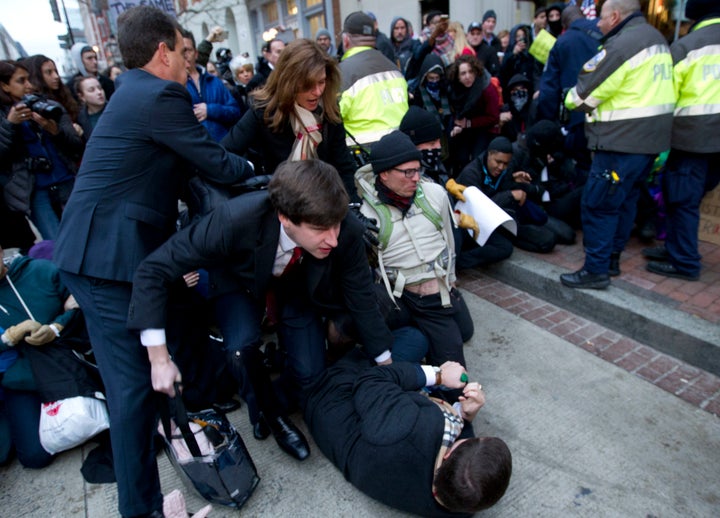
<point x="152" y="337"/>
<point x="383" y="357"/>
<point x="429" y="375"/>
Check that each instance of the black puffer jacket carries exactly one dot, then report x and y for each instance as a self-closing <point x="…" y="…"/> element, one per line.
<point x="15" y="177"/>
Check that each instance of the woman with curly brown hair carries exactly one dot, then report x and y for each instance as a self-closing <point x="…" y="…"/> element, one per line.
<point x="475" y="104"/>
<point x="295" y="115"/>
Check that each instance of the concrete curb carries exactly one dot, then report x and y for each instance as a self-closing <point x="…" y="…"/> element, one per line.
<point x="676" y="333"/>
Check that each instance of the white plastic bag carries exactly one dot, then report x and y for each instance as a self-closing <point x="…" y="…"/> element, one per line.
<point x="69" y="422"/>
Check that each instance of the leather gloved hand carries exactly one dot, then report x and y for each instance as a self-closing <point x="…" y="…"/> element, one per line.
<point x="371" y="228"/>
<point x="45" y="334"/>
<point x="468" y="222"/>
<point x="456" y="189"/>
<point x="15" y="334"/>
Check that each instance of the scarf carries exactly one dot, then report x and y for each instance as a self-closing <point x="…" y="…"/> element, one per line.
<point x="388" y="197"/>
<point x="307" y="128"/>
<point x="464" y="100"/>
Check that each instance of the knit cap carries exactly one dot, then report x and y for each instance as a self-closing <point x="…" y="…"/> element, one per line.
<point x="489" y="14"/>
<point x="392" y="150"/>
<point x="420" y="125"/>
<point x="500" y="144"/>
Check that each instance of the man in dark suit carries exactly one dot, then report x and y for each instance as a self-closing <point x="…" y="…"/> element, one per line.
<point x="397" y="445"/>
<point x="124" y="205"/>
<point x="255" y="236"/>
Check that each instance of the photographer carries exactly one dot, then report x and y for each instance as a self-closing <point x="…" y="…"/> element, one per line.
<point x="518" y="60"/>
<point x="39" y="149"/>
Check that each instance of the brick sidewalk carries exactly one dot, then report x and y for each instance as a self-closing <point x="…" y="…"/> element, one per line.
<point x="700" y="298"/>
<point x="689" y="383"/>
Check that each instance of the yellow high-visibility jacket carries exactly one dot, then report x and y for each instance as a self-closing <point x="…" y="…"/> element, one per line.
<point x="374" y="95"/>
<point x="697" y="87"/>
<point x="627" y="91"/>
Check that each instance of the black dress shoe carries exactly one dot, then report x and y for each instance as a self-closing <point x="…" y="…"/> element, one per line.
<point x="289" y="437"/>
<point x="583" y="279"/>
<point x="261" y="431"/>
<point x="668" y="270"/>
<point x="656" y="253"/>
<point x="225" y="407"/>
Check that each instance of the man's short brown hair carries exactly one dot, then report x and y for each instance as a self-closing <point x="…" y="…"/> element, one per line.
<point x="475" y="476"/>
<point x="309" y="191"/>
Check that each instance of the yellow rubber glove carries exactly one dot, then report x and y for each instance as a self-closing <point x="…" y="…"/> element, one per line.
<point x="468" y="222"/>
<point x="455" y="189"/>
<point x="45" y="334"/>
<point x="15" y="334"/>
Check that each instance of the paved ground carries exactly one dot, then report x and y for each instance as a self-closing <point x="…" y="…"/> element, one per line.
<point x="591" y="431"/>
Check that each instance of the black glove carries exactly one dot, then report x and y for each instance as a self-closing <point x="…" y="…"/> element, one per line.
<point x="371" y="228"/>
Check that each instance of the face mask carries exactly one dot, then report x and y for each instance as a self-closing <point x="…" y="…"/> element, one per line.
<point x="430" y="158"/>
<point x="519" y="99"/>
<point x="555" y="27"/>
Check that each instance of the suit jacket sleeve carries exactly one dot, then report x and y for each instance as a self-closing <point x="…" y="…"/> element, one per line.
<point x="385" y="398"/>
<point x="205" y="243"/>
<point x="359" y="295"/>
<point x="240" y="137"/>
<point x="179" y="130"/>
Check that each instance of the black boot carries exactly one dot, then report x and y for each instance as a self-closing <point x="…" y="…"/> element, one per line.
<point x="614" y="268"/>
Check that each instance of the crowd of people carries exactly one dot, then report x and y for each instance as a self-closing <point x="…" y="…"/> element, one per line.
<point x="325" y="191"/>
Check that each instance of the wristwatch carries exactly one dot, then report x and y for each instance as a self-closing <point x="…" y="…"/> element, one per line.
<point x="438" y="375"/>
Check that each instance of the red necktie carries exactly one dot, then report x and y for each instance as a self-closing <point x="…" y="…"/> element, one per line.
<point x="294" y="260"/>
<point x="271" y="309"/>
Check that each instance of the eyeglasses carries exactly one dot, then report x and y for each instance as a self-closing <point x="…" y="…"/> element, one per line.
<point x="410" y="173"/>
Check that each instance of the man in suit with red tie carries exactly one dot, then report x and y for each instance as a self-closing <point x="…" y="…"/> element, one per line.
<point x="254" y="237"/>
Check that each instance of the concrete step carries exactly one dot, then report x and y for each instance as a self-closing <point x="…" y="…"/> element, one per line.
<point x="621" y="308"/>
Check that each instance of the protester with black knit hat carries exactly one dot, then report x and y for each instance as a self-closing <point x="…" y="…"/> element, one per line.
<point x="416" y="251"/>
<point x="425" y="131"/>
<point x="512" y="190"/>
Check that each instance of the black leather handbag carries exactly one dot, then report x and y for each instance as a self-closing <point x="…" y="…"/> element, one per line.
<point x="224" y="472"/>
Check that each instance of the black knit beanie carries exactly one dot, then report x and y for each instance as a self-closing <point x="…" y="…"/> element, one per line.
<point x="501" y="144"/>
<point x="392" y="150"/>
<point x="420" y="125"/>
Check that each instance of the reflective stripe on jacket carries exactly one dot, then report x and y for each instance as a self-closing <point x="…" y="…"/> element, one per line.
<point x="627" y="91"/>
<point x="697" y="87"/>
<point x="374" y="95"/>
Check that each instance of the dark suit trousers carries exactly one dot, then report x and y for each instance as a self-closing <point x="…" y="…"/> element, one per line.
<point x="125" y="371"/>
<point x="300" y="332"/>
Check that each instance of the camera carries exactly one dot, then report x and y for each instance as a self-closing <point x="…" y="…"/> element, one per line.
<point x="522" y="40"/>
<point x="40" y="105"/>
<point x="38" y="164"/>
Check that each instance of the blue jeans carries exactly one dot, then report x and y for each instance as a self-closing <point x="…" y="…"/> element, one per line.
<point x="22" y="410"/>
<point x="687" y="178"/>
<point x="608" y="211"/>
<point x="300" y="332"/>
<point x="42" y="214"/>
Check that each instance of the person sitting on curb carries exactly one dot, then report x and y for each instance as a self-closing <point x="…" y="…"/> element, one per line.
<point x="513" y="191"/>
<point x="416" y="250"/>
<point x="425" y="131"/>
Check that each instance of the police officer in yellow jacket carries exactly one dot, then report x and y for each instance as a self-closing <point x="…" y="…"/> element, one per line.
<point x="693" y="166"/>
<point x="627" y="92"/>
<point x="374" y="95"/>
